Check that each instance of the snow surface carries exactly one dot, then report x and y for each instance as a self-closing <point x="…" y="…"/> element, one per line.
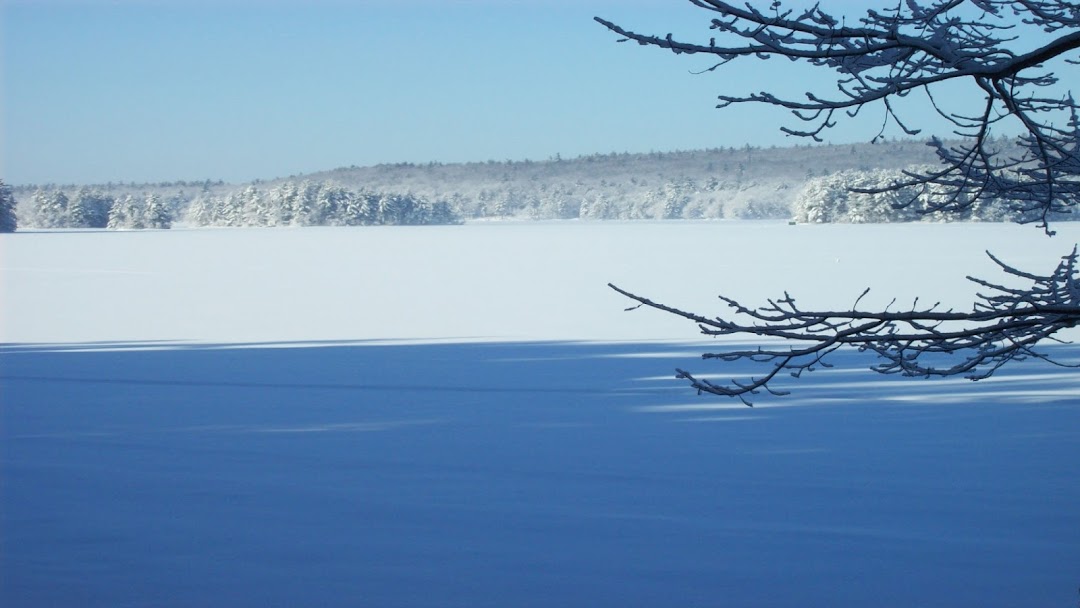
<point x="474" y="421"/>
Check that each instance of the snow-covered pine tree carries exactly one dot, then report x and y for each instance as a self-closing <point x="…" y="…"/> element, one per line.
<point x="200" y="212"/>
<point x="285" y="200"/>
<point x="60" y="204"/>
<point x="821" y="200"/>
<point x="369" y="209"/>
<point x="331" y="206"/>
<point x="675" y="198"/>
<point x="127" y="213"/>
<point x="8" y="220"/>
<point x="350" y="210"/>
<point x="79" y="209"/>
<point x="49" y="209"/>
<point x="118" y="215"/>
<point x="229" y="211"/>
<point x="256" y="209"/>
<point x="304" y="209"/>
<point x="442" y="213"/>
<point x="97" y="205"/>
<point x="392" y="208"/>
<point x="136" y="212"/>
<point x="158" y="214"/>
<point x="600" y="207"/>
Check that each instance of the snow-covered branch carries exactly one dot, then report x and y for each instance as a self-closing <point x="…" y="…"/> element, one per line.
<point x="887" y="54"/>
<point x="918" y="47"/>
<point x="1004" y="325"/>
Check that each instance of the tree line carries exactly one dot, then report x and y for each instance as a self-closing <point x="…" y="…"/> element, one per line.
<point x="747" y="182"/>
<point x="89" y="208"/>
<point x="883" y="196"/>
<point x="849" y="196"/>
<point x="807" y="183"/>
<point x="314" y="204"/>
<point x="287" y="204"/>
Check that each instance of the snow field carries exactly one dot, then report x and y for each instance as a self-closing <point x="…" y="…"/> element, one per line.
<point x="473" y="420"/>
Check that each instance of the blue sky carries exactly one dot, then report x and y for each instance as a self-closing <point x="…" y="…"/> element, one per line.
<point x="140" y="90"/>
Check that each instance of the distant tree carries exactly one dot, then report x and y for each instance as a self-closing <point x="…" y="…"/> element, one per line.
<point x="333" y="206"/>
<point x="127" y="213"/>
<point x="442" y="213"/>
<point x="393" y="209"/>
<point x="917" y="46"/>
<point x="89" y="209"/>
<point x="60" y="203"/>
<point x="79" y="209"/>
<point x="503" y="205"/>
<point x="255" y="208"/>
<point x="118" y="215"/>
<point x="229" y="211"/>
<point x="596" y="206"/>
<point x="200" y="211"/>
<point x="158" y="213"/>
<point x="675" y="197"/>
<point x="8" y="220"/>
<point x="286" y="199"/>
<point x="834" y="199"/>
<point x="359" y="209"/>
<point x="49" y="209"/>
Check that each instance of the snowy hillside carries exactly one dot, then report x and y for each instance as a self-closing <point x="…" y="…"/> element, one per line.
<point x="747" y="182"/>
<point x="466" y="416"/>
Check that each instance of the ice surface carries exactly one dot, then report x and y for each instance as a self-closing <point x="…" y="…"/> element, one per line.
<point x="528" y="281"/>
<point x="474" y="421"/>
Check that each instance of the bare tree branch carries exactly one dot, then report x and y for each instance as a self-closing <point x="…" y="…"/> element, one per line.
<point x="1003" y="326"/>
<point x="917" y="46"/>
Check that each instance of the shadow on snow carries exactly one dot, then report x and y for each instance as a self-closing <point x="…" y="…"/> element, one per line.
<point x="564" y="474"/>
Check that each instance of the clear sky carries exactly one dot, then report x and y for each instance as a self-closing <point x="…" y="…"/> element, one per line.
<point x="145" y="90"/>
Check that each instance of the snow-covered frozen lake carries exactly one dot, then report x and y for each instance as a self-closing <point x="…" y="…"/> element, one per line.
<point x="465" y="416"/>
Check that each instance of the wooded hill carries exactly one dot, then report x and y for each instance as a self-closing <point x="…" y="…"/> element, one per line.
<point x="745" y="182"/>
